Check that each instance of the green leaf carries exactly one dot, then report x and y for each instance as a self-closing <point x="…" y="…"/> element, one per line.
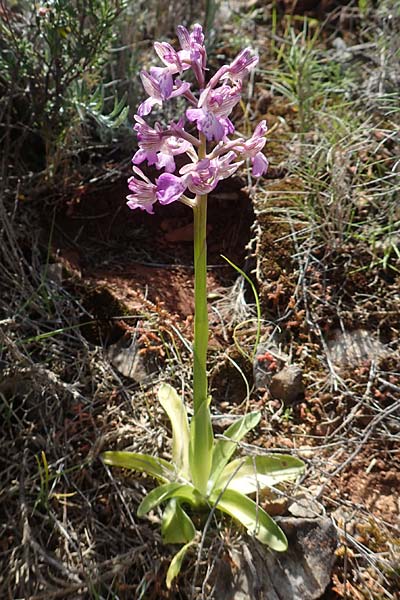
<point x="247" y="475"/>
<point x="118" y="106"/>
<point x="165" y="492"/>
<point x="201" y="447"/>
<point x="224" y="448"/>
<point x="156" y="467"/>
<point x="176" y="527"/>
<point x="254" y="519"/>
<point x="176" y="564"/>
<point x="173" y="405"/>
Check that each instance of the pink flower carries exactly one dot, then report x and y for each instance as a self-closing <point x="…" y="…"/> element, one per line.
<point x="168" y="188"/>
<point x="242" y="64"/>
<point x="203" y="176"/>
<point x="207" y="123"/>
<point x="170" y="57"/>
<point x="227" y="165"/>
<point x="143" y="194"/>
<point x="193" y="51"/>
<point x="160" y="86"/>
<point x="159" y="146"/>
<point x="214" y="106"/>
<point x="252" y="147"/>
<point x="237" y="70"/>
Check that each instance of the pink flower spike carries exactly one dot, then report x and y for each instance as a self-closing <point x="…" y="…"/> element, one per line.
<point x="169" y="188"/>
<point x="260" y="165"/>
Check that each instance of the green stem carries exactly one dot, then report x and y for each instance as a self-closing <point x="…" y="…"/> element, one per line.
<point x="200" y="300"/>
<point x="201" y="443"/>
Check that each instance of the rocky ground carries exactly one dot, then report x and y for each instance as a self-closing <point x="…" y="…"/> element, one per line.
<point x="97" y="308"/>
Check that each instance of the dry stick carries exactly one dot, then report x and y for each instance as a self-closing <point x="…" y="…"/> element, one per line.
<point x="355" y="408"/>
<point x="369" y="431"/>
<point x="117" y="565"/>
<point x="27" y="538"/>
<point x="121" y="497"/>
<point x="336" y="379"/>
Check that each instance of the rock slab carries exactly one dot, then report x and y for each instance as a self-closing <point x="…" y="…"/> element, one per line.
<point x="301" y="573"/>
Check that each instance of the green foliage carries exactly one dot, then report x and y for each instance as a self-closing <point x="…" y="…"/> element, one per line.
<point x="227" y="486"/>
<point x="44" y="476"/>
<point x="93" y="105"/>
<point x="51" y="59"/>
<point x="302" y="76"/>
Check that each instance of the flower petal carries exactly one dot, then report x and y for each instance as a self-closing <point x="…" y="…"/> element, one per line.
<point x="260" y="165"/>
<point x="165" y="161"/>
<point x="169" y="188"/>
<point x="145" y="107"/>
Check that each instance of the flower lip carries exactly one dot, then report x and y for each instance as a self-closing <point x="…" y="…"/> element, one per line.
<point x="169" y="188"/>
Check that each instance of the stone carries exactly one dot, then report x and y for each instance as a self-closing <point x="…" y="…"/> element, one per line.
<point x="126" y="358"/>
<point x="351" y="348"/>
<point x="268" y="360"/>
<point x="303" y="506"/>
<point x="287" y="384"/>
<point x="301" y="573"/>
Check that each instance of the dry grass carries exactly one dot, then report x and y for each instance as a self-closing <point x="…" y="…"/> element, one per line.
<point x="326" y="239"/>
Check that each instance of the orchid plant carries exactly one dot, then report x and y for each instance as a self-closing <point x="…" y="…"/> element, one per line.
<point x="201" y="475"/>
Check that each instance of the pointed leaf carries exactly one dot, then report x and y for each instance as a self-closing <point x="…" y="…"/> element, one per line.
<point x="165" y="492"/>
<point x="247" y="475"/>
<point x="201" y="447"/>
<point x="177" y="527"/>
<point x="156" y="467"/>
<point x="173" y="405"/>
<point x="254" y="519"/>
<point x="176" y="564"/>
<point x="118" y="106"/>
<point x="121" y="118"/>
<point x="224" y="449"/>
